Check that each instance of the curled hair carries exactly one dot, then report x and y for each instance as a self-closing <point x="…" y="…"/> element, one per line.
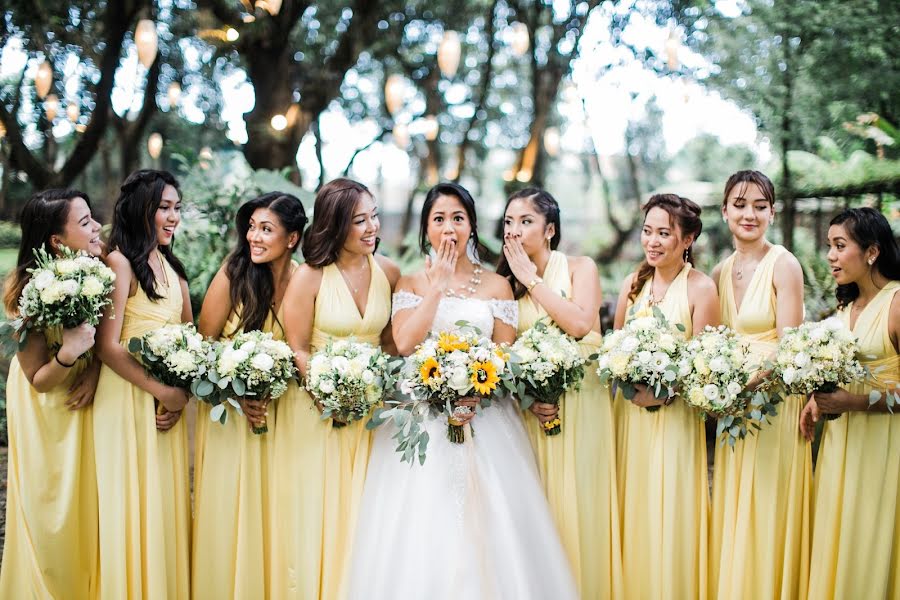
<point x="133" y="231"/>
<point x="464" y="197"/>
<point x="332" y="215"/>
<point x="252" y="286"/>
<point x="747" y="177"/>
<point x="868" y="227"/>
<point x="43" y="216"/>
<point x="546" y="205"/>
<point x="685" y="215"/>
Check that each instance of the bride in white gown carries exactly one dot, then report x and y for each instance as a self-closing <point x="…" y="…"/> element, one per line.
<point x="472" y="522"/>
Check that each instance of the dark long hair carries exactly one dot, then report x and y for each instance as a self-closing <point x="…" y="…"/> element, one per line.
<point x="332" y="215"/>
<point x="465" y="198"/>
<point x="868" y="227"/>
<point x="748" y="176"/>
<point x="252" y="286"/>
<point x="545" y="204"/>
<point x="133" y="232"/>
<point x="686" y="215"/>
<point x="43" y="216"/>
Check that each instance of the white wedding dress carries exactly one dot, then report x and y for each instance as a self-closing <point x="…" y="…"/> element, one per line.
<point x="472" y="523"/>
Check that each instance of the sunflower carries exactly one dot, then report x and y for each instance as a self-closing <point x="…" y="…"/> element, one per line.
<point x="448" y="342"/>
<point x="429" y="370"/>
<point x="484" y="377"/>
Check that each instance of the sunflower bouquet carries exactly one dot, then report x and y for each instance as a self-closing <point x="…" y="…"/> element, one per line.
<point x="444" y="369"/>
<point x="547" y="363"/>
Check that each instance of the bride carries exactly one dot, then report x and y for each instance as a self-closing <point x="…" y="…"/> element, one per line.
<point x="472" y="522"/>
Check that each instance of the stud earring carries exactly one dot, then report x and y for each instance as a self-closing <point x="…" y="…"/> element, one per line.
<point x="871" y="261"/>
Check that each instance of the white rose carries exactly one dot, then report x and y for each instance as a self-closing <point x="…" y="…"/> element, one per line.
<point x="801" y="359"/>
<point x="368" y="377"/>
<point x="667" y="342"/>
<point x="239" y="356"/>
<point x="734" y="389"/>
<point x="326" y="386"/>
<point x="66" y="266"/>
<point x="248" y="347"/>
<point x="317" y="366"/>
<point x="789" y="375"/>
<point x="52" y="293"/>
<point x="459" y="381"/>
<point x="183" y="362"/>
<point x="358" y="364"/>
<point x="644" y="357"/>
<point x="91" y="287"/>
<point x="833" y="324"/>
<point x="711" y="391"/>
<point x="69" y="287"/>
<point x="718" y="365"/>
<point x="340" y="365"/>
<point x="194" y="342"/>
<point x="629" y="344"/>
<point x="42" y="279"/>
<point x="262" y="362"/>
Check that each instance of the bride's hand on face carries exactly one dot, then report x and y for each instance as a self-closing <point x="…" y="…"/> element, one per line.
<point x="440" y="271"/>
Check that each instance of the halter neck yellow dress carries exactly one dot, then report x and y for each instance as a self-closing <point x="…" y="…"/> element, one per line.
<point x="856" y="514"/>
<point x="319" y="470"/>
<point x="663" y="486"/>
<point x="761" y="495"/>
<point x="50" y="549"/>
<point x="144" y="494"/>
<point x="578" y="466"/>
<point x="231" y="554"/>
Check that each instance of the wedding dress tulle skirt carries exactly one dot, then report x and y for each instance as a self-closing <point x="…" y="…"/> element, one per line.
<point x="471" y="523"/>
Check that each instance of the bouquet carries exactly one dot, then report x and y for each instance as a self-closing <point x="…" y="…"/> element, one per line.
<point x="250" y="365"/>
<point x="349" y="379"/>
<point x="817" y="357"/>
<point x="444" y="368"/>
<point x="547" y="363"/>
<point x="63" y="291"/>
<point x="645" y="351"/>
<point x="715" y="369"/>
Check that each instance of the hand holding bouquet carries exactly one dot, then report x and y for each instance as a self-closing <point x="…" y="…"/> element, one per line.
<point x="546" y="363"/>
<point x="348" y="379"/>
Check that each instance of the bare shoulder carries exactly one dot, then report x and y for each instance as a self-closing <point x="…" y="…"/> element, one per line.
<point x="582" y="265"/>
<point x="414" y="282"/>
<point x="496" y="285"/>
<point x="117" y="260"/>
<point x="701" y="283"/>
<point x="307" y="278"/>
<point x="390" y="268"/>
<point x="787" y="265"/>
<point x="717" y="272"/>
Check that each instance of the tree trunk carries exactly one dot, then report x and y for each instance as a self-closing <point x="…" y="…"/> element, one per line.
<point x="788" y="211"/>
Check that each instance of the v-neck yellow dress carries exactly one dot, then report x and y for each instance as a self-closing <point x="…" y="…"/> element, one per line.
<point x="231" y="556"/>
<point x="578" y="466"/>
<point x="762" y="488"/>
<point x="50" y="549"/>
<point x="144" y="494"/>
<point x="319" y="469"/>
<point x="663" y="485"/>
<point x="856" y="510"/>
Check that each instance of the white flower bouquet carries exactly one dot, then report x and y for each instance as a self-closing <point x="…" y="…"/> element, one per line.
<point x="63" y="291"/>
<point x="175" y="355"/>
<point x="817" y="357"/>
<point x="444" y="368"/>
<point x="647" y="351"/>
<point x="348" y="379"/>
<point x="251" y="365"/>
<point x="546" y="364"/>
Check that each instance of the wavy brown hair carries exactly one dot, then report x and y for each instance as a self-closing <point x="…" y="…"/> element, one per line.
<point x="685" y="215"/>
<point x="332" y="215"/>
<point x="544" y="203"/>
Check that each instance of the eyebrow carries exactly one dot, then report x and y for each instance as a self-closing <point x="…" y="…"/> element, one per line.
<point x="262" y="222"/>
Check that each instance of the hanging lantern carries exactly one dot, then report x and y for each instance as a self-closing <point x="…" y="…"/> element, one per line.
<point x="174" y="94"/>
<point x="205" y="156"/>
<point x="672" y="51"/>
<point x="231" y="34"/>
<point x="72" y="111"/>
<point x="551" y="141"/>
<point x="393" y="93"/>
<point x="449" y="53"/>
<point x="2" y="130"/>
<point x="270" y="6"/>
<point x="520" y="41"/>
<point x="154" y="145"/>
<point x="430" y="128"/>
<point x="43" y="79"/>
<point x="401" y="136"/>
<point x="51" y="106"/>
<point x="279" y="122"/>
<point x="147" y="41"/>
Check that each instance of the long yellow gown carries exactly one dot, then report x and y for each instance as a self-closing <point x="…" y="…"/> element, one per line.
<point x="663" y="485"/>
<point x="51" y="494"/>
<point x="761" y="495"/>
<point x="578" y="466"/>
<point x="142" y="474"/>
<point x="856" y="515"/>
<point x="231" y="554"/>
<point x="319" y="470"/>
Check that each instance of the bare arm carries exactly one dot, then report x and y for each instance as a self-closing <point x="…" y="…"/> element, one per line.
<point x="299" y="312"/>
<point x="716" y="275"/>
<point x="45" y="372"/>
<point x="216" y="306"/>
<point x="392" y="272"/>
<point x="704" y="302"/>
<point x="788" y="281"/>
<point x="622" y="302"/>
<point x="579" y="314"/>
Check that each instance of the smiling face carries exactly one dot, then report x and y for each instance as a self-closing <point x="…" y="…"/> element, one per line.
<point x="448" y="220"/>
<point x="364" y="226"/>
<point x="168" y="216"/>
<point x="81" y="231"/>
<point x="661" y="239"/>
<point x="269" y="239"/>
<point x="524" y="222"/>
<point x="848" y="260"/>
<point x="748" y="212"/>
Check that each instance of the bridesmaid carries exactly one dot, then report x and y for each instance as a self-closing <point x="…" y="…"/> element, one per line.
<point x="343" y="290"/>
<point x="51" y="501"/>
<point x="760" y="518"/>
<point x="662" y="467"/>
<point x="231" y="552"/>
<point x="141" y="452"/>
<point x="578" y="466"/>
<point x="856" y="531"/>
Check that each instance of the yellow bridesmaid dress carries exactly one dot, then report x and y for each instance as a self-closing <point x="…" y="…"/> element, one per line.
<point x="856" y="515"/>
<point x="663" y="485"/>
<point x="231" y="554"/>
<point x="319" y="470"/>
<point x="578" y="466"/>
<point x="142" y="474"/>
<point x="50" y="549"/>
<point x="761" y="495"/>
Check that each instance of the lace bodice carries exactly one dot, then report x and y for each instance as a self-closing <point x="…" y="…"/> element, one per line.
<point x="477" y="312"/>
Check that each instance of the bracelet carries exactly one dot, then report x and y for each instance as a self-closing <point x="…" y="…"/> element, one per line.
<point x="62" y="364"/>
<point x="533" y="283"/>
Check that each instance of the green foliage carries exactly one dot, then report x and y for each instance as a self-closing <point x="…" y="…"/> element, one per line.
<point x="10" y="234"/>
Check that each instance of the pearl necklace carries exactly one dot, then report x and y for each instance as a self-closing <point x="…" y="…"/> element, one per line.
<point x="471" y="286"/>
